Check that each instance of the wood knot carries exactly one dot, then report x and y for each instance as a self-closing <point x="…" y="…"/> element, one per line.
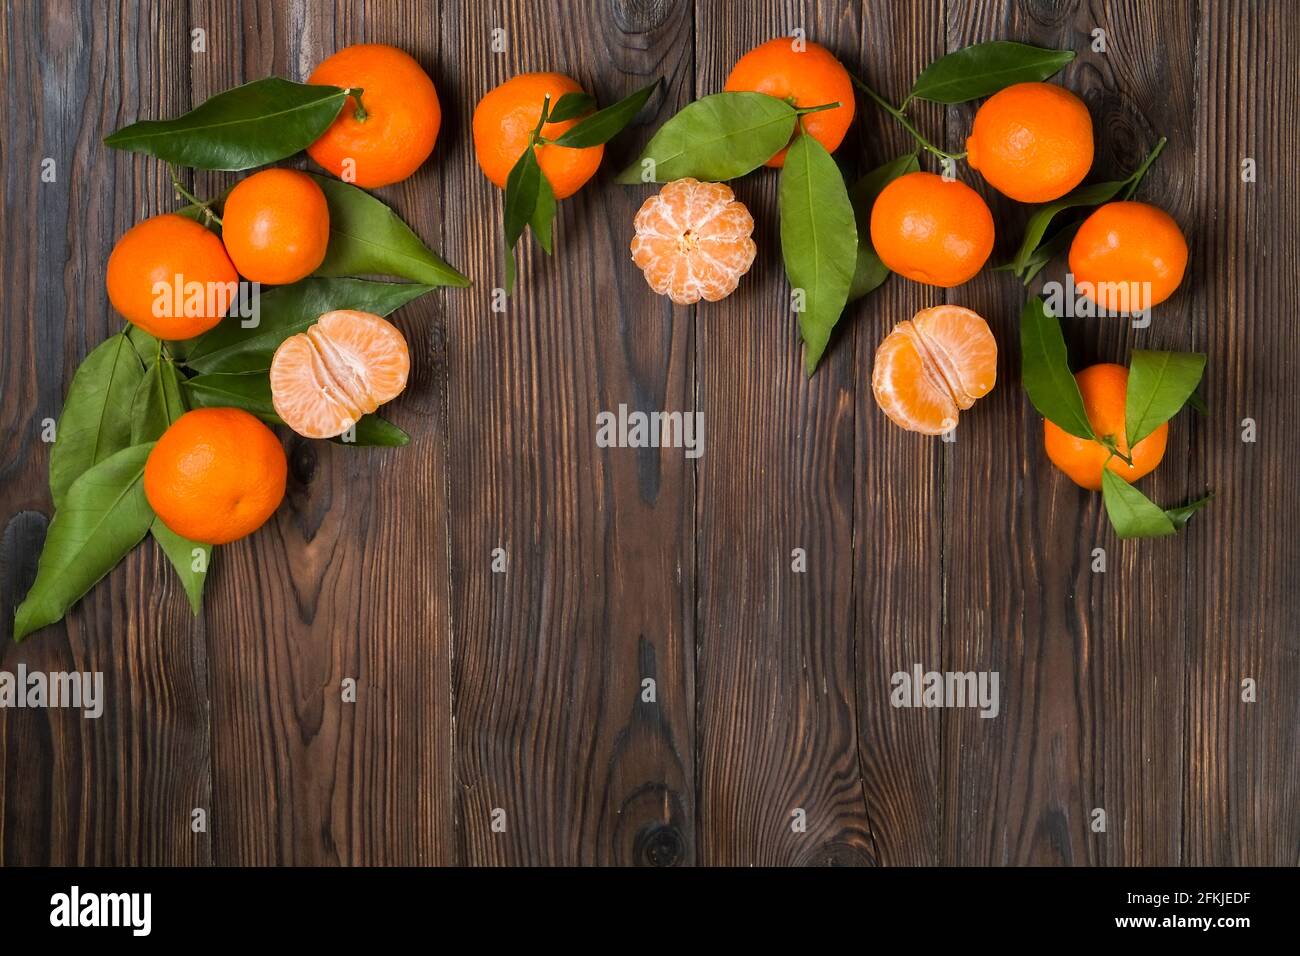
<point x="660" y="845"/>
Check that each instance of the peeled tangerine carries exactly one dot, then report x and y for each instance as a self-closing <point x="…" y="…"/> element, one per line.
<point x="693" y="241"/>
<point x="930" y="368"/>
<point x="345" y="366"/>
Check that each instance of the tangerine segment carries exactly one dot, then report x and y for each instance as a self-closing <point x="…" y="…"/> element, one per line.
<point x="399" y="124"/>
<point x="504" y="121"/>
<point x="1105" y="396"/>
<point x="693" y="241"/>
<point x="343" y="367"/>
<point x="930" y="368"/>
<point x="810" y="76"/>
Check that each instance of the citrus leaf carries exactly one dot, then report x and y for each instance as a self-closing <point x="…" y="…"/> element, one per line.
<point x="286" y="310"/>
<point x="603" y="125"/>
<point x="252" y="125"/>
<point x="1132" y="514"/>
<point x="372" y="431"/>
<point x="1048" y="251"/>
<point x="1036" y="228"/>
<point x="715" y="138"/>
<point x="103" y="516"/>
<point x="985" y="68"/>
<point x="1183" y="513"/>
<point x="368" y="238"/>
<point x="96" y="418"/>
<point x="543" y="215"/>
<point x="523" y="186"/>
<point x="571" y="106"/>
<point x="819" y="241"/>
<point x="870" y="272"/>
<point x="1159" y="384"/>
<point x="1045" y="370"/>
<point x="157" y="402"/>
<point x="250" y="391"/>
<point x="1197" y="403"/>
<point x="184" y="554"/>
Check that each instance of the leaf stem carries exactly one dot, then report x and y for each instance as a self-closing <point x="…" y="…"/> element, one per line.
<point x="1141" y="171"/>
<point x="1109" y="443"/>
<point x="805" y="110"/>
<point x="899" y="115"/>
<point x="359" y="114"/>
<point x="186" y="194"/>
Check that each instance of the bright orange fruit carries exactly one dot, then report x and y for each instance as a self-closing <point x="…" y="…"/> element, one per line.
<point x="171" y="277"/>
<point x="936" y="232"/>
<point x="930" y="368"/>
<point x="1032" y="141"/>
<point x="1105" y="394"/>
<point x="1128" y="256"/>
<point x="215" y="475"/>
<point x="693" y="241"/>
<point x="809" y="76"/>
<point x="276" y="226"/>
<point x="504" y="121"/>
<point x="395" y="132"/>
<point x="345" y="366"/>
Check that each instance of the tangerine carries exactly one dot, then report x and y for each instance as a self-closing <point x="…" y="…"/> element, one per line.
<point x="933" y="366"/>
<point x="391" y="132"/>
<point x="693" y="241"/>
<point x="171" y="277"/>
<point x="344" y="366"/>
<point x="932" y="230"/>
<point x="803" y="74"/>
<point x="215" y="475"/>
<point x="504" y="121"/>
<point x="1032" y="141"/>
<point x="1128" y="256"/>
<point x="276" y="226"/>
<point x="1105" y="394"/>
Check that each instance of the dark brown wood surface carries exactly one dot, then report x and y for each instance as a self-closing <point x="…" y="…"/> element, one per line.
<point x="518" y="697"/>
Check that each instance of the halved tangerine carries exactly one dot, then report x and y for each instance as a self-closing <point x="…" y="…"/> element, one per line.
<point x="345" y="366"/>
<point x="930" y="368"/>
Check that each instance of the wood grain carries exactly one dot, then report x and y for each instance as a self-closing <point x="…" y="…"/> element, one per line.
<point x="522" y="692"/>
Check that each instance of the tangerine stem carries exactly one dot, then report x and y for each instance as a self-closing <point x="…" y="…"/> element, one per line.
<point x="1109" y="443"/>
<point x="899" y="115"/>
<point x="359" y="114"/>
<point x="805" y="110"/>
<point x="186" y="194"/>
<point x="1141" y="171"/>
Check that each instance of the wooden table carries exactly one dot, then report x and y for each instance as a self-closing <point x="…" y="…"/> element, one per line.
<point x="518" y="696"/>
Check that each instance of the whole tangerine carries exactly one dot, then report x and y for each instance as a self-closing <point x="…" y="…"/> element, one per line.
<point x="276" y="226"/>
<point x="932" y="230"/>
<point x="1128" y="256"/>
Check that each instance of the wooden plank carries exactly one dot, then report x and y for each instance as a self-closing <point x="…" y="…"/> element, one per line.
<point x="550" y="655"/>
<point x="1087" y="699"/>
<point x="349" y="580"/>
<point x="897" y="509"/>
<point x="776" y="687"/>
<point x="1243" y="778"/>
<point x="118" y="789"/>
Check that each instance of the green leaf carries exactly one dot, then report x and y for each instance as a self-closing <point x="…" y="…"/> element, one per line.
<point x="184" y="554"/>
<point x="571" y="106"/>
<point x="250" y="391"/>
<point x="603" y="125"/>
<point x="1048" y="251"/>
<point x="375" y="431"/>
<point x="819" y="241"/>
<point x="985" y="68"/>
<point x="869" y="271"/>
<point x="146" y="346"/>
<point x="1045" y="370"/>
<point x="288" y="309"/>
<point x="96" y="419"/>
<point x="157" y="402"/>
<point x="1036" y="228"/>
<point x="1159" y="384"/>
<point x="716" y="138"/>
<point x="1198" y="404"/>
<point x="543" y="215"/>
<point x="1183" y="514"/>
<point x="252" y="125"/>
<point x="367" y="238"/>
<point x="1132" y="514"/>
<point x="103" y="516"/>
<point x="523" y="187"/>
